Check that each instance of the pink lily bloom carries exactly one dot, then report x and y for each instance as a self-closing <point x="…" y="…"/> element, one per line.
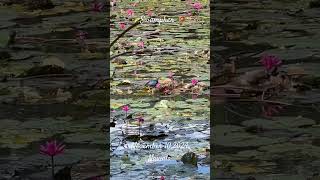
<point x="162" y="178"/>
<point x="269" y="62"/>
<point x="194" y="82"/>
<point x="130" y="12"/>
<point x="122" y="25"/>
<point x="52" y="148"/>
<point x="198" y="6"/>
<point x="125" y="108"/>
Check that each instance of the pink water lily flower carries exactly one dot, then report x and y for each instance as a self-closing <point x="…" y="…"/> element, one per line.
<point x="162" y="178"/>
<point x="141" y="44"/>
<point x="52" y="148"/>
<point x="130" y="12"/>
<point x="197" y="6"/>
<point x="122" y="25"/>
<point x="126" y="108"/>
<point x="194" y="82"/>
<point x="270" y="62"/>
<point x="158" y="86"/>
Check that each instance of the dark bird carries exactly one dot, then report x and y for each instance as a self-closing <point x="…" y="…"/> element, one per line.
<point x="152" y="83"/>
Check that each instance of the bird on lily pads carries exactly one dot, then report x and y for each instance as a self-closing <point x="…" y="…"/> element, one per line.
<point x="152" y="84"/>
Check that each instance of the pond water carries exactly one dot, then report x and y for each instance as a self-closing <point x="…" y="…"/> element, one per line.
<point x="174" y="52"/>
<point x="39" y="104"/>
<point x="274" y="136"/>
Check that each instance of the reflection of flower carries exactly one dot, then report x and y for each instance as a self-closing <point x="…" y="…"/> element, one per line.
<point x="194" y="82"/>
<point x="97" y="6"/>
<point x="130" y="12"/>
<point x="52" y="149"/>
<point x="197" y="6"/>
<point x="269" y="62"/>
<point x="122" y="25"/>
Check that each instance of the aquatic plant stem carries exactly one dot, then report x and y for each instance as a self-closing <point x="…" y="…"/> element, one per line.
<point x="139" y="128"/>
<point x="125" y="31"/>
<point x="52" y="167"/>
<point x="127" y="121"/>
